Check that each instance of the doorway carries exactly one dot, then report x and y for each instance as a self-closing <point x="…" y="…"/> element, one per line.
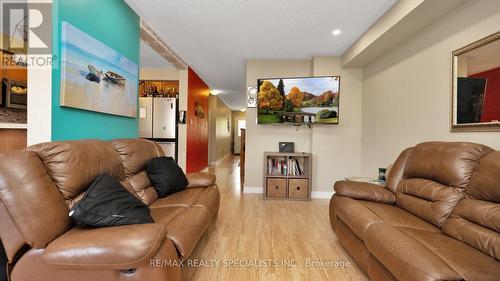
<point x="239" y="122"/>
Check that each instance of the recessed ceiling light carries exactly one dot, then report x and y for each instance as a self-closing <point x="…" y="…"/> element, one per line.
<point x="337" y="32"/>
<point x="215" y="92"/>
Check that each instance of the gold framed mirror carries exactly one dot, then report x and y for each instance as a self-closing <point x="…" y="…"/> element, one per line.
<point x="476" y="86"/>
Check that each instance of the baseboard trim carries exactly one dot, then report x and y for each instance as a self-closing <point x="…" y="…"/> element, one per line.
<point x="314" y="194"/>
<point x="253" y="189"/>
<point x="322" y="194"/>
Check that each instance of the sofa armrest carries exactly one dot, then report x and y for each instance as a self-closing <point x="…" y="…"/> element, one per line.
<point x="119" y="248"/>
<point x="364" y="191"/>
<point x="200" y="180"/>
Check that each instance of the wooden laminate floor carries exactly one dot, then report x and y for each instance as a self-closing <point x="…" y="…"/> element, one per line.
<point x="270" y="240"/>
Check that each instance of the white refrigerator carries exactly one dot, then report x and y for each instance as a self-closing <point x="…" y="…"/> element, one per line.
<point x="158" y="122"/>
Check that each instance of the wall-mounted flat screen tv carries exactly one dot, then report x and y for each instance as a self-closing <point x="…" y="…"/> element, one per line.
<point x="310" y="100"/>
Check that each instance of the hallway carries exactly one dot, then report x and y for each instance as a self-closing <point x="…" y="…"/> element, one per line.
<point x="271" y="240"/>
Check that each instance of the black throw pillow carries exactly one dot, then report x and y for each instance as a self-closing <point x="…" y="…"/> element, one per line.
<point x="108" y="203"/>
<point x="166" y="176"/>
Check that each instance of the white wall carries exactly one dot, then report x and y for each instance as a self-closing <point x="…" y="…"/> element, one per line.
<point x="39" y="111"/>
<point x="261" y="138"/>
<point x="335" y="148"/>
<point x="406" y="92"/>
<point x="183" y="102"/>
<point x="39" y="105"/>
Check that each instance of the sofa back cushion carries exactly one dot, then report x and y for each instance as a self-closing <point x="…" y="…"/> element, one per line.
<point x="427" y="199"/>
<point x="73" y="165"/>
<point x="476" y="219"/>
<point x="134" y="154"/>
<point x="395" y="174"/>
<point x="33" y="203"/>
<point x="435" y="177"/>
<point x="485" y="183"/>
<point x="449" y="163"/>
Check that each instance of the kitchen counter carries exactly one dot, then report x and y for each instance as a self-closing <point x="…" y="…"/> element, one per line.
<point x="5" y="125"/>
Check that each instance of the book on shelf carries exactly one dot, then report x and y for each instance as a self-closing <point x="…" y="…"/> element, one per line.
<point x="296" y="168"/>
<point x="281" y="167"/>
<point x="276" y="167"/>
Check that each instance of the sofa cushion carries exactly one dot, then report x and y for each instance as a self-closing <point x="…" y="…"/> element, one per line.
<point x="120" y="247"/>
<point x="184" y="198"/>
<point x="185" y="226"/>
<point x="353" y="244"/>
<point x="485" y="183"/>
<point x="428" y="199"/>
<point x="140" y="185"/>
<point x="208" y="198"/>
<point x="135" y="153"/>
<point x="200" y="180"/>
<point x="450" y="163"/>
<point x="73" y="165"/>
<point x="359" y="215"/>
<point x="476" y="223"/>
<point x="355" y="215"/>
<point x="395" y="174"/>
<point x="395" y="216"/>
<point x="166" y="214"/>
<point x="468" y="262"/>
<point x="364" y="191"/>
<point x="406" y="257"/>
<point x="166" y="176"/>
<point x="32" y="204"/>
<point x="107" y="203"/>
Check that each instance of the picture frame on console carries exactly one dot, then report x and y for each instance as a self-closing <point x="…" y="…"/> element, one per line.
<point x="475" y="97"/>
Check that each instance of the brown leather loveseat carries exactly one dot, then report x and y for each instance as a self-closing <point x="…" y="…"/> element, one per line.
<point x="437" y="218"/>
<point x="39" y="185"/>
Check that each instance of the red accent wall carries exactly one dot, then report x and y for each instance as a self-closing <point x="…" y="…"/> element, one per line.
<point x="197" y="127"/>
<point x="491" y="104"/>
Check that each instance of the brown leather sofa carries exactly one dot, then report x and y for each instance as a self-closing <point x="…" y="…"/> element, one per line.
<point x="39" y="185"/>
<point x="437" y="218"/>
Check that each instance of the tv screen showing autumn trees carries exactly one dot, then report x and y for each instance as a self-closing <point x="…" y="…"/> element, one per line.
<point x="298" y="100"/>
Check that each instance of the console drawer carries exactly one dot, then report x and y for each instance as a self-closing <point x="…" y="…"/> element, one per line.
<point x="276" y="188"/>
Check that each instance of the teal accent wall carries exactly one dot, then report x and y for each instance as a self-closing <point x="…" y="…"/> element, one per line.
<point x="115" y="24"/>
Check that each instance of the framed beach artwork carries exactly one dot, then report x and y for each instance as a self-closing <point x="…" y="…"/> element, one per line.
<point x="95" y="77"/>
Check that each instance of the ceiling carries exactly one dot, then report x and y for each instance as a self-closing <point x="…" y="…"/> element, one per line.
<point x="217" y="37"/>
<point x="151" y="59"/>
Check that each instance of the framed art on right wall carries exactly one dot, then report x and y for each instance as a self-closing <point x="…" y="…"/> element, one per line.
<point x="476" y="86"/>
